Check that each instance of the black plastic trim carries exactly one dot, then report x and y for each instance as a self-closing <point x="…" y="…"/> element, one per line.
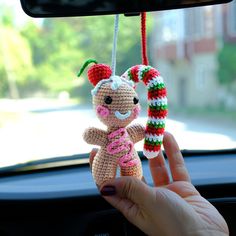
<point x="118" y="12"/>
<point x="66" y="162"/>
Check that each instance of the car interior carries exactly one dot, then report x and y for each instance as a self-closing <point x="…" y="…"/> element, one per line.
<point x="57" y="195"/>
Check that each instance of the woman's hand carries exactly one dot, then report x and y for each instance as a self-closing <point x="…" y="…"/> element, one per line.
<point x="171" y="207"/>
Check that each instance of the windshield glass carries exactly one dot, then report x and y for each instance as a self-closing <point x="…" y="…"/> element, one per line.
<point x="44" y="107"/>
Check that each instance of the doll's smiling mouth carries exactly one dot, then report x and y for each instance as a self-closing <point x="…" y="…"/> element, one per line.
<point x="121" y="116"/>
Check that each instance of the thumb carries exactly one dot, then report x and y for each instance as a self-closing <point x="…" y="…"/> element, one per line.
<point x="127" y="194"/>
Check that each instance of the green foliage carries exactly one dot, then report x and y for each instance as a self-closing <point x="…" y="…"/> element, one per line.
<point x="15" y="53"/>
<point x="227" y="68"/>
<point x="97" y="38"/>
<point x="6" y="15"/>
<point x="55" y="54"/>
<point x="50" y="55"/>
<point x="15" y="56"/>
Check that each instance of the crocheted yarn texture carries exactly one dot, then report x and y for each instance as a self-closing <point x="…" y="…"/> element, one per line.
<point x="157" y="106"/>
<point x="116" y="104"/>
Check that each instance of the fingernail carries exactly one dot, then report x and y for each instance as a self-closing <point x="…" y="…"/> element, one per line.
<point x="108" y="190"/>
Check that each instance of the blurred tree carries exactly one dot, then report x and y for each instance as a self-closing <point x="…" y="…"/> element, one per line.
<point x="96" y="39"/>
<point x="15" y="56"/>
<point x="227" y="68"/>
<point x="6" y="15"/>
<point x="61" y="45"/>
<point x="55" y="53"/>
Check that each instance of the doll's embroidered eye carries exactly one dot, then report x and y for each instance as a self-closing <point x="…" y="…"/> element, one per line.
<point x="136" y="100"/>
<point x="108" y="100"/>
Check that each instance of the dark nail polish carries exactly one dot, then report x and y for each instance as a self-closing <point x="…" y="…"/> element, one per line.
<point x="108" y="191"/>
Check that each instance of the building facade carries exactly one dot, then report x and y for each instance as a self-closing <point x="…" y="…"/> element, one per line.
<point x="186" y="43"/>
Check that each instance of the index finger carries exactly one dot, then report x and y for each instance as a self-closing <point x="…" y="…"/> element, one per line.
<point x="176" y="161"/>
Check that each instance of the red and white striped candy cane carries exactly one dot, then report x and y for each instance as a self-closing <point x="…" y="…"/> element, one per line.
<point x="157" y="106"/>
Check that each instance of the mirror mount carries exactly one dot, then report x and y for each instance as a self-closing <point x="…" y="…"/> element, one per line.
<point x="132" y="14"/>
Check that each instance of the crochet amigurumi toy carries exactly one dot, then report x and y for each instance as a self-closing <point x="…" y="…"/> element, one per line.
<point x="116" y="104"/>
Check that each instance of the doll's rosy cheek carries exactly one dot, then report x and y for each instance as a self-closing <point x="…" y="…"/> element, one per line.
<point x="136" y="111"/>
<point x="102" y="111"/>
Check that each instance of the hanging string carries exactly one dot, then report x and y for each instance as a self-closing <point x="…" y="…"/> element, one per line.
<point x="114" y="48"/>
<point x="144" y="39"/>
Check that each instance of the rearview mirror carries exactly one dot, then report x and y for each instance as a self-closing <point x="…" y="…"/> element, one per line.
<point x="62" y="8"/>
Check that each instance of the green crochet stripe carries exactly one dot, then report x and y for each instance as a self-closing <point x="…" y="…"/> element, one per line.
<point x="156" y="125"/>
<point x="159" y="107"/>
<point x="145" y="71"/>
<point x="130" y="75"/>
<point x="156" y="87"/>
<point x="152" y="143"/>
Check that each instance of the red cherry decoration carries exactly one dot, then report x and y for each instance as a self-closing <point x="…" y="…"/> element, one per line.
<point x="97" y="72"/>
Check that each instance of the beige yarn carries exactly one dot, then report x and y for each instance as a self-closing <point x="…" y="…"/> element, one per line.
<point x="105" y="165"/>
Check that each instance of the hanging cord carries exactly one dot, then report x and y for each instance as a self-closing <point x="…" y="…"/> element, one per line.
<point x="144" y="39"/>
<point x="114" y="48"/>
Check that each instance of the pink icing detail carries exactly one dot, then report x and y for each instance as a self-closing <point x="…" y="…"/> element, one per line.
<point x="102" y="111"/>
<point x="126" y="160"/>
<point x="136" y="111"/>
<point x="120" y="144"/>
<point x="118" y="132"/>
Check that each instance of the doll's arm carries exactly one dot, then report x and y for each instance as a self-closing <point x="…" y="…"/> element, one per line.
<point x="136" y="132"/>
<point x="95" y="136"/>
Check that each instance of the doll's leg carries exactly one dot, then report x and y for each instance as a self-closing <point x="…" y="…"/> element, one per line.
<point x="135" y="170"/>
<point x="103" y="167"/>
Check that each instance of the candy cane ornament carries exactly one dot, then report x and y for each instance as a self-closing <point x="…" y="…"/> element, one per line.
<point x="157" y="106"/>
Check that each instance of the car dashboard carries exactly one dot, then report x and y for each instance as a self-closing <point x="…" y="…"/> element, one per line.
<point x="65" y="200"/>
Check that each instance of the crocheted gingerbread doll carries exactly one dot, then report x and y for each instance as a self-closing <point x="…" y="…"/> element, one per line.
<point x="116" y="104"/>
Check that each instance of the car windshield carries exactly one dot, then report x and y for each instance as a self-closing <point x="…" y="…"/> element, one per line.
<point x="45" y="107"/>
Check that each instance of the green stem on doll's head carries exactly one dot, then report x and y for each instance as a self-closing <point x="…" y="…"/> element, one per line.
<point x="89" y="61"/>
